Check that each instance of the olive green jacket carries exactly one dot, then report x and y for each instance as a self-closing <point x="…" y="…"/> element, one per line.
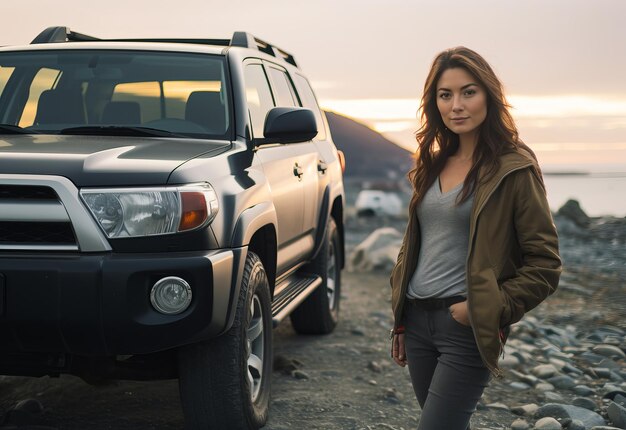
<point x="513" y="259"/>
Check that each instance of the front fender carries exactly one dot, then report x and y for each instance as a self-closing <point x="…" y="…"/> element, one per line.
<point x="251" y="220"/>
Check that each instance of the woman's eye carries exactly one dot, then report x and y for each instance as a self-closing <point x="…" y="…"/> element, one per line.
<point x="444" y="96"/>
<point x="470" y="92"/>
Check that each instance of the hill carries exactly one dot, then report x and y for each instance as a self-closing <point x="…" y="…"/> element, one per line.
<point x="368" y="154"/>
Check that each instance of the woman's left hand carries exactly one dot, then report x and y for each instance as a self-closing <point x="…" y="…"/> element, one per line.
<point x="460" y="313"/>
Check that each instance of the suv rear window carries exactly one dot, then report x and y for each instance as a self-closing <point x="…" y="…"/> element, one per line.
<point x="55" y="91"/>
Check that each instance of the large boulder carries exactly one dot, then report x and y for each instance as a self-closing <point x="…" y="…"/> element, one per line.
<point x="555" y="410"/>
<point x="379" y="251"/>
<point x="572" y="211"/>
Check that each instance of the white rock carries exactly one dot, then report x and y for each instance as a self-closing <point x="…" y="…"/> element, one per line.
<point x="544" y="371"/>
<point x="548" y="423"/>
<point x="379" y="251"/>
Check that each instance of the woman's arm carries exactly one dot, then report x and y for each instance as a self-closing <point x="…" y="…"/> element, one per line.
<point x="538" y="277"/>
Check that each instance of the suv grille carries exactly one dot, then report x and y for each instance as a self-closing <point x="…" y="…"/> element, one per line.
<point x="32" y="217"/>
<point x="36" y="232"/>
<point x="26" y="192"/>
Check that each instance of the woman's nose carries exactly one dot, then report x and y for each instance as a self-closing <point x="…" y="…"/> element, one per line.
<point x="457" y="105"/>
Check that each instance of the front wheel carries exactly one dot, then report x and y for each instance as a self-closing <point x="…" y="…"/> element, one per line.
<point x="225" y="382"/>
<point x="319" y="313"/>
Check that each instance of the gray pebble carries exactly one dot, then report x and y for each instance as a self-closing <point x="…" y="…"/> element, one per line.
<point x="601" y="372"/>
<point x="583" y="390"/>
<point x="583" y="402"/>
<point x="609" y="351"/>
<point x="551" y="396"/>
<point x="616" y="377"/>
<point x="591" y="358"/>
<point x="519" y="386"/>
<point x="299" y="374"/>
<point x="610" y="364"/>
<point x="562" y="382"/>
<point x="617" y="414"/>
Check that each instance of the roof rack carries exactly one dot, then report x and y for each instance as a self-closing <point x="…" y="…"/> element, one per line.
<point x="246" y="40"/>
<point x="240" y="39"/>
<point x="61" y="34"/>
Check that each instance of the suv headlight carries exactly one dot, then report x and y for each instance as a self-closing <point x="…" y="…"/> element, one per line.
<point x="132" y="212"/>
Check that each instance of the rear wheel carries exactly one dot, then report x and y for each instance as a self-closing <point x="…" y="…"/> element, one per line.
<point x="225" y="382"/>
<point x="319" y="313"/>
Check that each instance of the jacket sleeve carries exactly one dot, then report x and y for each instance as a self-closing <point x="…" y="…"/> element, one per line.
<point x="538" y="276"/>
<point x="396" y="272"/>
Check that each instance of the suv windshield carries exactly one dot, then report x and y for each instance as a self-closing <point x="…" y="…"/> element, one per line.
<point x="116" y="92"/>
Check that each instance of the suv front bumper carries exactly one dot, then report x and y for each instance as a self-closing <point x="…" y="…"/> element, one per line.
<point x="99" y="304"/>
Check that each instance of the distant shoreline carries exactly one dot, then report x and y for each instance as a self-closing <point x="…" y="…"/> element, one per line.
<point x="579" y="173"/>
<point x="567" y="173"/>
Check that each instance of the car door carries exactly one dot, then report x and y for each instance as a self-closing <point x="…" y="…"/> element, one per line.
<point x="306" y="154"/>
<point x="281" y="168"/>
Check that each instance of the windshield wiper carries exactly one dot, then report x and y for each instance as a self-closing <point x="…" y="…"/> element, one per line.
<point x="14" y="129"/>
<point x="118" y="130"/>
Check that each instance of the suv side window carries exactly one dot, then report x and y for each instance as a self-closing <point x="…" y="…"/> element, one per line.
<point x="259" y="97"/>
<point x="284" y="92"/>
<point x="308" y="100"/>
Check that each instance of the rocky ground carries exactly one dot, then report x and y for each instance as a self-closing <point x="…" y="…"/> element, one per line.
<point x="566" y="366"/>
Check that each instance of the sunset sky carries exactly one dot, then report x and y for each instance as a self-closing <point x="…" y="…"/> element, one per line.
<point x="562" y="61"/>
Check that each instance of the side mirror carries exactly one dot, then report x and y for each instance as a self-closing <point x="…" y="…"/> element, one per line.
<point x="289" y="125"/>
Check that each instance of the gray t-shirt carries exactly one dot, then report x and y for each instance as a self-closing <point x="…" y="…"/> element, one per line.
<point x="444" y="229"/>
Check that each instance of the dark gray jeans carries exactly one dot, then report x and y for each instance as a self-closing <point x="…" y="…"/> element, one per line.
<point x="446" y="370"/>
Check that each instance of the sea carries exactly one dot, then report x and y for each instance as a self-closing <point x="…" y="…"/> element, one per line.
<point x="598" y="194"/>
<point x="599" y="189"/>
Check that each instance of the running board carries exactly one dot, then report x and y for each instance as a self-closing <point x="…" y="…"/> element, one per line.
<point x="291" y="292"/>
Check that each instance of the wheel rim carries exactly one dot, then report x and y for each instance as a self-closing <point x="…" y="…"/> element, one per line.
<point x="331" y="276"/>
<point x="255" y="345"/>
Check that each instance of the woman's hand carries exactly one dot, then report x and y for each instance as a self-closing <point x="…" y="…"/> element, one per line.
<point x="397" y="349"/>
<point x="460" y="313"/>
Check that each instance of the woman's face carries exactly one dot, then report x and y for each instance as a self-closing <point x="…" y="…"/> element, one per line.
<point x="461" y="101"/>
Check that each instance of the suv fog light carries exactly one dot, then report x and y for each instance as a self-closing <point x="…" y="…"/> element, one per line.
<point x="171" y="295"/>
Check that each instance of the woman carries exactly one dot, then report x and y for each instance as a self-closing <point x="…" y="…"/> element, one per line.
<point x="480" y="247"/>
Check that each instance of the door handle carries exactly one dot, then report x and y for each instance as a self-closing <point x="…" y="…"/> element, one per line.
<point x="322" y="167"/>
<point x="297" y="171"/>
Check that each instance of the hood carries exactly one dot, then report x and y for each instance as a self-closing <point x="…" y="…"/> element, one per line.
<point x="101" y="160"/>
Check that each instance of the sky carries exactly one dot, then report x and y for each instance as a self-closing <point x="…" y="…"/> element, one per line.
<point x="562" y="62"/>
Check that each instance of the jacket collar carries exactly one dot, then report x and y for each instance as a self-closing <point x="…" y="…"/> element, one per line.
<point x="510" y="161"/>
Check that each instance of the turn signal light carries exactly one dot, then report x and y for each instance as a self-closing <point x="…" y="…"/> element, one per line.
<point x="194" y="210"/>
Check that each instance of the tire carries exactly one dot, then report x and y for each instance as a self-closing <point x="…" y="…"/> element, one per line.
<point x="225" y="382"/>
<point x="319" y="313"/>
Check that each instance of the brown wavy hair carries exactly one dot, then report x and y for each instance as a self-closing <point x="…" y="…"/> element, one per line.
<point x="436" y="143"/>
